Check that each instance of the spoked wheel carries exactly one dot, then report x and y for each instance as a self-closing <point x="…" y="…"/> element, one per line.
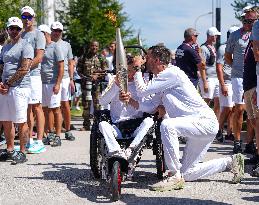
<point x="160" y="162"/>
<point x="116" y="179"/>
<point x="95" y="154"/>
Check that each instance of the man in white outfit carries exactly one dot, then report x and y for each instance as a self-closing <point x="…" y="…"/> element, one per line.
<point x="188" y="116"/>
<point x="124" y="114"/>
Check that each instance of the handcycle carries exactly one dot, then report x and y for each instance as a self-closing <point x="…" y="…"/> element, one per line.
<point x="115" y="169"/>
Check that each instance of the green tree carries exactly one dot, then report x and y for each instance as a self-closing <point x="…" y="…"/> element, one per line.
<point x="85" y="20"/>
<point x="11" y="8"/>
<point x="238" y="6"/>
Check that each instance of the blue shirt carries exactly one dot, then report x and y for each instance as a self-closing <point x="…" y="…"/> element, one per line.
<point x="249" y="75"/>
<point x="187" y="59"/>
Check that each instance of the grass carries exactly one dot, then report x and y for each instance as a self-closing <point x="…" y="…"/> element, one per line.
<point x="77" y="113"/>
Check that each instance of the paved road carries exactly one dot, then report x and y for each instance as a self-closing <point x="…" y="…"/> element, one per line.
<point x="62" y="176"/>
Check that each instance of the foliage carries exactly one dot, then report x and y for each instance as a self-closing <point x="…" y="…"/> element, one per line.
<point x="238" y="6"/>
<point x="11" y="8"/>
<point x="85" y="20"/>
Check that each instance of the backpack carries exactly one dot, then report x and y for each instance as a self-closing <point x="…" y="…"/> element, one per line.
<point x="212" y="59"/>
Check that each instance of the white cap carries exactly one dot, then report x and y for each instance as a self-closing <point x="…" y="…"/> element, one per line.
<point x="233" y="28"/>
<point x="14" y="21"/>
<point x="245" y="9"/>
<point x="213" y="31"/>
<point x="27" y="9"/>
<point x="44" y="28"/>
<point x="57" y="25"/>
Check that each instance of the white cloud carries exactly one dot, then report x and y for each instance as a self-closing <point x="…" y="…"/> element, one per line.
<point x="166" y="20"/>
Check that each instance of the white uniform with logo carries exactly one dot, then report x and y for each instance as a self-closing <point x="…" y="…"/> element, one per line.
<point x="189" y="116"/>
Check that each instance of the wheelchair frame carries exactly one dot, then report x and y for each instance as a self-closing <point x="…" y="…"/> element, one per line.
<point x="114" y="169"/>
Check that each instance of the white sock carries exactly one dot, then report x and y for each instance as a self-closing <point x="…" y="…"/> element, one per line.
<point x="31" y="140"/>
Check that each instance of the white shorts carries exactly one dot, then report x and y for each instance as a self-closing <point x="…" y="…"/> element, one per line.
<point x="213" y="91"/>
<point x="237" y="87"/>
<point x="49" y="99"/>
<point x="36" y="90"/>
<point x="13" y="106"/>
<point x="65" y="89"/>
<point x="257" y="91"/>
<point x="226" y="101"/>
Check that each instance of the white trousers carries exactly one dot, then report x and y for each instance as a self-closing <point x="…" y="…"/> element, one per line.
<point x="111" y="133"/>
<point x="199" y="132"/>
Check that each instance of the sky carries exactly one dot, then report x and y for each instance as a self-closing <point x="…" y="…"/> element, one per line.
<point x="165" y="20"/>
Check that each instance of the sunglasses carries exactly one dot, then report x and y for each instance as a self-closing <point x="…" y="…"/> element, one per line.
<point x="27" y="17"/>
<point x="11" y="28"/>
<point x="57" y="30"/>
<point x="249" y="21"/>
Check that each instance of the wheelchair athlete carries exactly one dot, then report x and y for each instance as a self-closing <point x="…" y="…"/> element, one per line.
<point x="125" y="118"/>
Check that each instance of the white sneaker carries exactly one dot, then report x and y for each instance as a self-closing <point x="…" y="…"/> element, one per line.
<point x="168" y="184"/>
<point x="37" y="148"/>
<point x="238" y="167"/>
<point x="78" y="108"/>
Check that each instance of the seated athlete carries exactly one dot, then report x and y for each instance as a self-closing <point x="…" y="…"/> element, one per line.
<point x="124" y="115"/>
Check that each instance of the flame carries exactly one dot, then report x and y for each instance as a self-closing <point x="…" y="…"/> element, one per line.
<point x="112" y="17"/>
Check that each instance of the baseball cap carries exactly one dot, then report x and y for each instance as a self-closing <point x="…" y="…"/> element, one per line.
<point x="27" y="9"/>
<point x="57" y="25"/>
<point x="14" y="21"/>
<point x="233" y="28"/>
<point x="247" y="8"/>
<point x="213" y="31"/>
<point x="190" y="32"/>
<point x="44" y="28"/>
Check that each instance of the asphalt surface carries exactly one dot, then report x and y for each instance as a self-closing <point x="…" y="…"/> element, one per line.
<point x="62" y="175"/>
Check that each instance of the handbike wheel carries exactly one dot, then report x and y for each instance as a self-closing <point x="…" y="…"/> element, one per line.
<point x="160" y="162"/>
<point x="95" y="155"/>
<point x="116" y="179"/>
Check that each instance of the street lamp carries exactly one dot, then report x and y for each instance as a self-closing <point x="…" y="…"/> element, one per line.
<point x="195" y="22"/>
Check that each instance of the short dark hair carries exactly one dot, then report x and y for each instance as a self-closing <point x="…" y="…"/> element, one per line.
<point x="162" y="53"/>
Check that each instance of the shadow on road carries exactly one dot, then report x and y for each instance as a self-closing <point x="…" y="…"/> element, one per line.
<point x="253" y="183"/>
<point x="81" y="182"/>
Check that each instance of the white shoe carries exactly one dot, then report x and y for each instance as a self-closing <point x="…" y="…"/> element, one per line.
<point x="78" y="108"/>
<point x="168" y="184"/>
<point x="36" y="148"/>
<point x="238" y="167"/>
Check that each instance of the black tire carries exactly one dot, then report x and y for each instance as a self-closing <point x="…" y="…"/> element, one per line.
<point x="116" y="179"/>
<point x="160" y="162"/>
<point x="95" y="154"/>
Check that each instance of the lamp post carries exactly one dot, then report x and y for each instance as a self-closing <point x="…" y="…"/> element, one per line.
<point x="196" y="20"/>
